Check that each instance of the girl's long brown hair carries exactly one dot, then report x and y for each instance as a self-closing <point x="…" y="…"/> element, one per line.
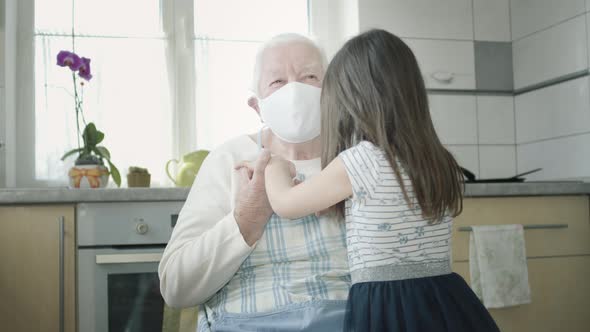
<point x="373" y="90"/>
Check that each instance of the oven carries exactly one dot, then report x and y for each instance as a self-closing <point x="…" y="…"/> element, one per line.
<point x="119" y="248"/>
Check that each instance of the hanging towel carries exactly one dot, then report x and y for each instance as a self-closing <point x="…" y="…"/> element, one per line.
<point x="497" y="264"/>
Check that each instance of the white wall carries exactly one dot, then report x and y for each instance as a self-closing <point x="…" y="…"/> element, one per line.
<point x="552" y="123"/>
<point x="478" y="130"/>
<point x="496" y="136"/>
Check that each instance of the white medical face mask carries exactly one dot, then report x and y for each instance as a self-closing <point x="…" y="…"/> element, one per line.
<point x="293" y="112"/>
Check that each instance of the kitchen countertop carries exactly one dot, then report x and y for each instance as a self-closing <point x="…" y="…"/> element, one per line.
<point x="65" y="195"/>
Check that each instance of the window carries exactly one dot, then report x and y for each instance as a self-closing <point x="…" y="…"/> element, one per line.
<point x="226" y="42"/>
<point x="129" y="97"/>
<point x="169" y="76"/>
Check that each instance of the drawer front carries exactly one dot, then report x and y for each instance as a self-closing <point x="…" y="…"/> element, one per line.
<point x="560" y="294"/>
<point x="570" y="210"/>
<point x="445" y="64"/>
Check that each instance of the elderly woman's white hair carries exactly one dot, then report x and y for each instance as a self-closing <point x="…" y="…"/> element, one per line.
<point x="281" y="39"/>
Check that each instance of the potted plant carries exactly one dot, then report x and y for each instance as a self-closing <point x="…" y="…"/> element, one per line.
<point x="89" y="170"/>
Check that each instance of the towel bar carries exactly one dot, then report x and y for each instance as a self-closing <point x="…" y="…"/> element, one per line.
<point x="548" y="226"/>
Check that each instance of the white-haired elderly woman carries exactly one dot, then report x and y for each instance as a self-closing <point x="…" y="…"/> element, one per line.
<point x="250" y="269"/>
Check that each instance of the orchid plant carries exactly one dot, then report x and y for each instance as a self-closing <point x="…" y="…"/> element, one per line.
<point x="90" y="153"/>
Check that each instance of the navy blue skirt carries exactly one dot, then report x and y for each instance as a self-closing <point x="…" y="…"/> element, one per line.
<point x="440" y="303"/>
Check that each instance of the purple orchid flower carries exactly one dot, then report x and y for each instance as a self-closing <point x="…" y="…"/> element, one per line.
<point x="69" y="59"/>
<point x="84" y="70"/>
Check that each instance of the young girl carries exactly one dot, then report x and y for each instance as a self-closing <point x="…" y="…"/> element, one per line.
<point x="398" y="188"/>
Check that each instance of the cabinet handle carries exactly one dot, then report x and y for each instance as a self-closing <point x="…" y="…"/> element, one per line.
<point x="128" y="258"/>
<point x="61" y="272"/>
<point x="443" y="76"/>
<point x="548" y="226"/>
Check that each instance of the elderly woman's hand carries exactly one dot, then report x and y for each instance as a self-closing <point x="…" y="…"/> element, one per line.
<point x="252" y="207"/>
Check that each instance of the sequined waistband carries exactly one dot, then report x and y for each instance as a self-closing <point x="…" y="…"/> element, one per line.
<point x="400" y="272"/>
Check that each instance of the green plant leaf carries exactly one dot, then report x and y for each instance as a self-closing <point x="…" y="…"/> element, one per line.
<point x="99" y="136"/>
<point x="115" y="173"/>
<point x="103" y="152"/>
<point x="90" y="136"/>
<point x="71" y="152"/>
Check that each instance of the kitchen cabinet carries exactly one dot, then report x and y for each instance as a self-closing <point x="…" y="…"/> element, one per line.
<point x="549" y="54"/>
<point x="530" y="16"/>
<point x="450" y="19"/>
<point x="30" y="251"/>
<point x="558" y="259"/>
<point x="440" y="33"/>
<point x="560" y="294"/>
<point x="491" y="20"/>
<point x="445" y="64"/>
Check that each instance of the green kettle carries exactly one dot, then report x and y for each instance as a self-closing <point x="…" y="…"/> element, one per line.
<point x="187" y="169"/>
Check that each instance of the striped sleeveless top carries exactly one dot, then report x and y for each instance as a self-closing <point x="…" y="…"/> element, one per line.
<point x="387" y="239"/>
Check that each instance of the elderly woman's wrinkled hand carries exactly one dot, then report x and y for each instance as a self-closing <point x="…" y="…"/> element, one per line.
<point x="252" y="209"/>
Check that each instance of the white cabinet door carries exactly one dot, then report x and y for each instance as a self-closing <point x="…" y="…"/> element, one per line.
<point x="530" y="16"/>
<point x="557" y="51"/>
<point x="445" y="64"/>
<point x="492" y="20"/>
<point x="449" y="19"/>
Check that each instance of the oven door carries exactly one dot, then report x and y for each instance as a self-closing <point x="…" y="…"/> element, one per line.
<point x="119" y="290"/>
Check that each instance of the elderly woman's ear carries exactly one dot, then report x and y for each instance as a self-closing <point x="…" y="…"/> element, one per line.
<point x="253" y="102"/>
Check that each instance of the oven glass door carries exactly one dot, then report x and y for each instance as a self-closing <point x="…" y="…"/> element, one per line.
<point x="119" y="290"/>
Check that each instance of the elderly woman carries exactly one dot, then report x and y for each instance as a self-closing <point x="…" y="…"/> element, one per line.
<point x="250" y="269"/>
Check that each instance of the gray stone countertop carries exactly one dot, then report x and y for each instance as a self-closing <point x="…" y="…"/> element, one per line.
<point x="65" y="195"/>
<point x="527" y="189"/>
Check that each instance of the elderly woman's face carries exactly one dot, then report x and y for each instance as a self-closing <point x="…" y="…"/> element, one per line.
<point x="287" y="63"/>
